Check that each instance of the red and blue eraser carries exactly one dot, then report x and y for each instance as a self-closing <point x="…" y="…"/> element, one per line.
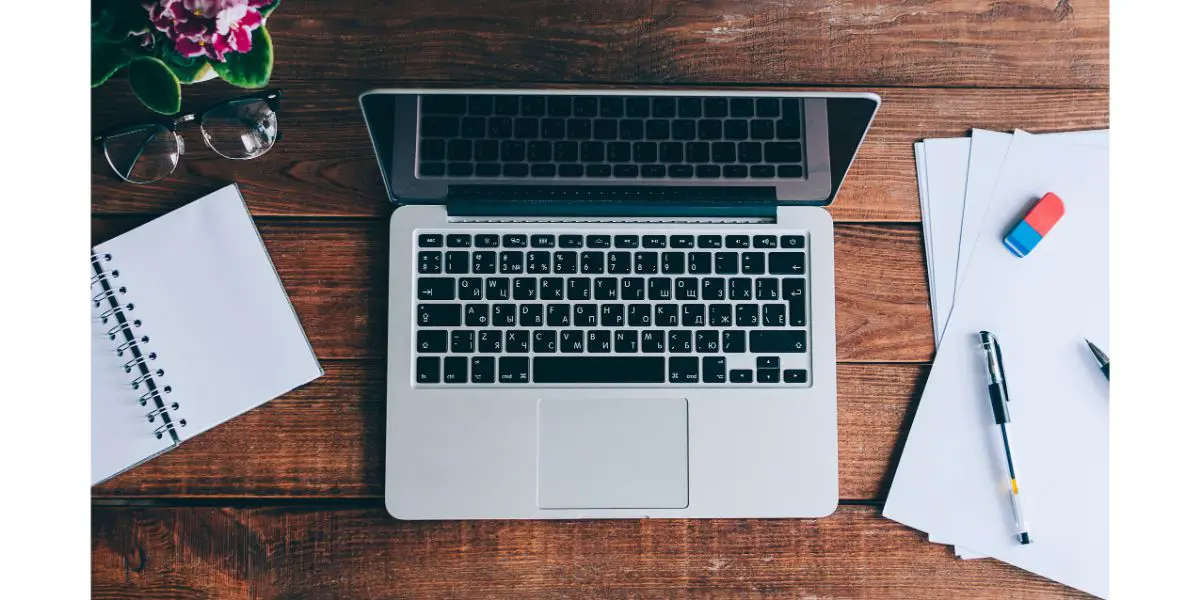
<point x="1037" y="223"/>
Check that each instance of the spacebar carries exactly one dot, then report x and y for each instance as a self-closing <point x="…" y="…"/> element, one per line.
<point x="599" y="369"/>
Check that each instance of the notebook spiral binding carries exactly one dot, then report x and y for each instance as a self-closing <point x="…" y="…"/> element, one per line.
<point x="111" y="296"/>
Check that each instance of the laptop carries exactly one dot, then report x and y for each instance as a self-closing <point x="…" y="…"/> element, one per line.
<point x="612" y="303"/>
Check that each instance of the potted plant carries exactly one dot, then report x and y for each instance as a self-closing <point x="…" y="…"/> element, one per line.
<point x="166" y="43"/>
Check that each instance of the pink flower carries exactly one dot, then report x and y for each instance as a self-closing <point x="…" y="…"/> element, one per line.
<point x="209" y="28"/>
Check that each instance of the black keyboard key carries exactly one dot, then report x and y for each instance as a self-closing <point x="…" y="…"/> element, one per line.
<point x="540" y="151"/>
<point x="631" y="129"/>
<point x="558" y="315"/>
<point x="551" y="288"/>
<point x="620" y="263"/>
<point x="633" y="288"/>
<point x="692" y="315"/>
<point x="741" y="107"/>
<point x="525" y="129"/>
<point x="586" y="106"/>
<point x="491" y="341"/>
<point x="439" y="315"/>
<point x="724" y="152"/>
<point x="764" y="241"/>
<point x="433" y="150"/>
<point x="435" y="288"/>
<point x="774" y="315"/>
<point x="483" y="369"/>
<point x="537" y="263"/>
<point x="690" y="107"/>
<point x="699" y="263"/>
<point x="612" y="315"/>
<point x="762" y="130"/>
<point x="428" y="369"/>
<point x="684" y="369"/>
<point x="749" y="152"/>
<point x="795" y="376"/>
<point x="579" y="288"/>
<point x="545" y="341"/>
<point x="666" y="315"/>
<point x="604" y="129"/>
<point x="433" y="169"/>
<point x="598" y="369"/>
<point x="591" y="263"/>
<point x="637" y="106"/>
<point x="625" y="341"/>
<point x="554" y="129"/>
<point x="683" y="241"/>
<point x="625" y="171"/>
<point x="514" y="369"/>
<point x="708" y="341"/>
<point x="653" y="171"/>
<point x="645" y="152"/>
<point x="766" y="107"/>
<point x="516" y="341"/>
<point x="768" y="375"/>
<point x="746" y="315"/>
<point x="654" y="241"/>
<point x="598" y="170"/>
<point x="753" y="263"/>
<point x="679" y="341"/>
<point x="480" y="105"/>
<point x="542" y="241"/>
<point x="533" y="106"/>
<point x="766" y="288"/>
<point x="586" y="315"/>
<point x="793" y="289"/>
<point x="716" y="107"/>
<point x="740" y="288"/>
<point x="762" y="171"/>
<point x="726" y="263"/>
<point x="487" y="170"/>
<point x="545" y="170"/>
<point x="530" y="315"/>
<point x="599" y="342"/>
<point x="708" y="171"/>
<point x="524" y="288"/>
<point x="786" y="263"/>
<point x="483" y="262"/>
<point x="599" y="241"/>
<point x="714" y="369"/>
<point x="439" y="127"/>
<point x="504" y="315"/>
<point x="737" y="241"/>
<point x="462" y="341"/>
<point x="458" y="261"/>
<point x="500" y="127"/>
<point x="626" y="241"/>
<point x="670" y="152"/>
<point x="712" y="288"/>
<point x="790" y="171"/>
<point x="619" y="152"/>
<point x="474" y="127"/>
<point x="696" y="152"/>
<point x="778" y="341"/>
<point x="653" y="341"/>
<point x="591" y="152"/>
<point x="733" y="341"/>
<point x="710" y="129"/>
<point x="496" y="288"/>
<point x="687" y="288"/>
<point x="783" y="152"/>
<point x="788" y="129"/>
<point x="508" y="105"/>
<point x="683" y="129"/>
<point x="512" y="151"/>
<point x="737" y="129"/>
<point x="680" y="171"/>
<point x="558" y="106"/>
<point x="570" y="170"/>
<point x="673" y="263"/>
<point x="444" y="104"/>
<point x="475" y="315"/>
<point x="767" y="362"/>
<point x="658" y="129"/>
<point x="792" y="241"/>
<point x="579" y="129"/>
<point x="429" y="240"/>
<point x="645" y="263"/>
<point x="515" y="240"/>
<point x="663" y="107"/>
<point x="455" y="369"/>
<point x="612" y="106"/>
<point x="709" y="241"/>
<point x="741" y="376"/>
<point x="432" y="340"/>
<point x="460" y="170"/>
<point x="570" y="241"/>
<point x="735" y="171"/>
<point x="571" y="340"/>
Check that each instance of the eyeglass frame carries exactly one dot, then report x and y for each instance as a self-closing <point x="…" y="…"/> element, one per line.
<point x="172" y="124"/>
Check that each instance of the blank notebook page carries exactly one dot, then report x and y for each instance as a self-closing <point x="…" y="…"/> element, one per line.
<point x="219" y="321"/>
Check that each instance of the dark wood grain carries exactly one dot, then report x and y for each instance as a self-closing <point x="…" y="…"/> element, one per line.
<point x="327" y="440"/>
<point x="324" y="165"/>
<point x="1009" y="43"/>
<point x="283" y="553"/>
<point x="335" y="272"/>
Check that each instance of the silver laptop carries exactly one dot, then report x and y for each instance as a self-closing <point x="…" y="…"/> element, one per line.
<point x="612" y="303"/>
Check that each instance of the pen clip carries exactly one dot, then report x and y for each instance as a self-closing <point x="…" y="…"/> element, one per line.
<point x="994" y="364"/>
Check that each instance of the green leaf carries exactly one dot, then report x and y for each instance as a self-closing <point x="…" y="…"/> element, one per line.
<point x="106" y="60"/>
<point x="155" y="85"/>
<point x="185" y="69"/>
<point x="252" y="69"/>
<point x="270" y="8"/>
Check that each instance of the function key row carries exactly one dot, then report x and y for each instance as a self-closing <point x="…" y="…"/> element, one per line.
<point x="520" y="240"/>
<point x="573" y="105"/>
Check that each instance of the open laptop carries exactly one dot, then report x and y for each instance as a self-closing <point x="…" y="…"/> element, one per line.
<point x="612" y="303"/>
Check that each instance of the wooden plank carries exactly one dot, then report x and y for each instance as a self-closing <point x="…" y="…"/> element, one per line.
<point x="168" y="553"/>
<point x="324" y="164"/>
<point x="1015" y="43"/>
<point x="327" y="440"/>
<point x="336" y="274"/>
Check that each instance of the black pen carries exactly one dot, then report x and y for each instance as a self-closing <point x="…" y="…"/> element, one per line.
<point x="998" y="394"/>
<point x="1101" y="357"/>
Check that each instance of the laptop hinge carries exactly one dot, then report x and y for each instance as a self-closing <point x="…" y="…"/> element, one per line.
<point x="739" y="209"/>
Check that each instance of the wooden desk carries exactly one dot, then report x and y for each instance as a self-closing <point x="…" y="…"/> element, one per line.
<point x="286" y="501"/>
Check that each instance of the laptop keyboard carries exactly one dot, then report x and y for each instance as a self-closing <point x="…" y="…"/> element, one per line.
<point x="579" y="137"/>
<point x="611" y="308"/>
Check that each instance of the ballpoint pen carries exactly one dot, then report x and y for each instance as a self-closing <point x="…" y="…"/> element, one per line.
<point x="1101" y="357"/>
<point x="998" y="393"/>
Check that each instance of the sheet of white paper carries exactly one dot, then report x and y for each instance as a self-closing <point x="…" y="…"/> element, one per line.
<point x="218" y="320"/>
<point x="1040" y="307"/>
<point x="946" y="167"/>
<point x="926" y="232"/>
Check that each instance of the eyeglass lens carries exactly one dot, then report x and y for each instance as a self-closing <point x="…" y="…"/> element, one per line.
<point x="144" y="154"/>
<point x="241" y="129"/>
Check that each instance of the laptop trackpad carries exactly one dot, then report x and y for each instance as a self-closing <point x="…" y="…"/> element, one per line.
<point x="612" y="453"/>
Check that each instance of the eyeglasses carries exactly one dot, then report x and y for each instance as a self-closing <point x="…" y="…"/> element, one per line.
<point x="242" y="128"/>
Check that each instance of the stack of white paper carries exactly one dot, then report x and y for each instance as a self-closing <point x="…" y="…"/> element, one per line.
<point x="950" y="482"/>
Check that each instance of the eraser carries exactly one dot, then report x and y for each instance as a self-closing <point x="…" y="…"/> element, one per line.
<point x="1036" y="225"/>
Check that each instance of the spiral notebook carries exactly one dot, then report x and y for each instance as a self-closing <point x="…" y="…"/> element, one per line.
<point x="191" y="327"/>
